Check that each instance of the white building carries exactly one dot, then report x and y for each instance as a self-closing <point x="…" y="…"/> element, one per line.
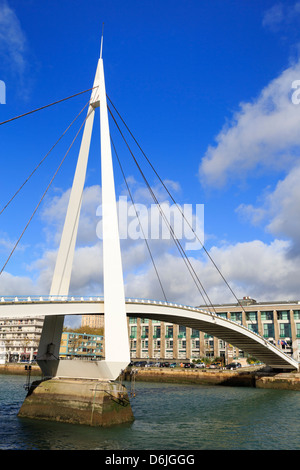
<point x="19" y="338"/>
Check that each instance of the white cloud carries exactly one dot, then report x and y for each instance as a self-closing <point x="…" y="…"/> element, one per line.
<point x="281" y="15"/>
<point x="16" y="285"/>
<point x="263" y="135"/>
<point x="279" y="210"/>
<point x="54" y="212"/>
<point x="260" y="270"/>
<point x="13" y="43"/>
<point x="284" y="205"/>
<point x="274" y="16"/>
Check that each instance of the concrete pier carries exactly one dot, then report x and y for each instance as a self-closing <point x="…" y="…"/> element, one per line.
<point x="78" y="401"/>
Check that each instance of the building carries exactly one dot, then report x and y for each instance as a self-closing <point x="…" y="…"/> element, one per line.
<point x="92" y="321"/>
<point x="19" y="338"/>
<point x="278" y="322"/>
<point x="81" y="345"/>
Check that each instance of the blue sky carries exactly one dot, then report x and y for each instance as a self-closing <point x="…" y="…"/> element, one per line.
<point x="206" y="88"/>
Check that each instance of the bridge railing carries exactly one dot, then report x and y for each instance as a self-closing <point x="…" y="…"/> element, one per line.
<point x="49" y="298"/>
<point x="72" y="298"/>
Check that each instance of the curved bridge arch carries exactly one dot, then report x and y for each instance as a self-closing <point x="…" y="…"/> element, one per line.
<point x="192" y="317"/>
<point x="214" y="325"/>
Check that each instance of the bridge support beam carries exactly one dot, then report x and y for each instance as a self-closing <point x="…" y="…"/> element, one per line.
<point x="117" y="353"/>
<point x="53" y="326"/>
<point x="82" y="391"/>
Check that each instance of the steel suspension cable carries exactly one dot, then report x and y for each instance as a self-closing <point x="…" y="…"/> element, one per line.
<point x="179" y="208"/>
<point x="176" y="241"/>
<point x="46" y="106"/>
<point x="137" y="215"/>
<point x="44" y="194"/>
<point x="43" y="159"/>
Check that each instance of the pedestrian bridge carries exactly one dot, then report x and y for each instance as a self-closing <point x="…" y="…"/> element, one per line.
<point x="192" y="317"/>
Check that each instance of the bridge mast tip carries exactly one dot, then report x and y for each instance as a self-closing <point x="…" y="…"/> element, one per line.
<point x="101" y="41"/>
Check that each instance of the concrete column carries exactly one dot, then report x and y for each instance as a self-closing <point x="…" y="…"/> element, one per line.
<point x="138" y="339"/>
<point x="216" y="347"/>
<point x="150" y="339"/>
<point x="259" y="324"/>
<point x="162" y="340"/>
<point x="188" y="343"/>
<point x="201" y="344"/>
<point x="175" y="341"/>
<point x="276" y="327"/>
<point x="294" y="336"/>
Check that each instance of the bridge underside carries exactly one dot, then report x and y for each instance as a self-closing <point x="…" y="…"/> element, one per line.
<point x="239" y="340"/>
<point x="229" y="331"/>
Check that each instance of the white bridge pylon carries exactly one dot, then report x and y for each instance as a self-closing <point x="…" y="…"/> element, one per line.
<point x="228" y="330"/>
<point x="117" y="353"/>
<point x="113" y="306"/>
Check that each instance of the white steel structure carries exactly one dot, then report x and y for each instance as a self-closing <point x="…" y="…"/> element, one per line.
<point x="117" y="353"/>
<point x="197" y="318"/>
<point x="113" y="306"/>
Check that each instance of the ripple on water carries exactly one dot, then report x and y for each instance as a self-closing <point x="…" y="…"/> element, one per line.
<point x="168" y="417"/>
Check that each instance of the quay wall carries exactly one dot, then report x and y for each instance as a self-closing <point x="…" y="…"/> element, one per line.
<point x="19" y="369"/>
<point x="259" y="378"/>
<point x="248" y="378"/>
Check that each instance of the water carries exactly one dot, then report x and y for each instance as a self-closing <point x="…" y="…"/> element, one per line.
<point x="167" y="417"/>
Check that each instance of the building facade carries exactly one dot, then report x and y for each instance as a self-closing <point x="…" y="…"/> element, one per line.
<point x="81" y="345"/>
<point x="92" y="321"/>
<point x="278" y="322"/>
<point x="19" y="338"/>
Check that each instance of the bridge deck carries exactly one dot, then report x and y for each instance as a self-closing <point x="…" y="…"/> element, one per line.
<point x="201" y="320"/>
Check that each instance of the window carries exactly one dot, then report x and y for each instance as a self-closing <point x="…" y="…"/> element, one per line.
<point x="182" y="332"/>
<point x="222" y="314"/>
<point x="283" y="315"/>
<point x="133" y="332"/>
<point x="253" y="327"/>
<point x="297" y="314"/>
<point x="156" y="331"/>
<point x="268" y="330"/>
<point x="251" y="316"/>
<point x="169" y="331"/>
<point x="145" y="330"/>
<point x="284" y="330"/>
<point x="236" y="316"/>
<point x="267" y="315"/>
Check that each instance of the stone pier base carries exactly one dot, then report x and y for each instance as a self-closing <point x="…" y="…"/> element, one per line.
<point x="78" y="401"/>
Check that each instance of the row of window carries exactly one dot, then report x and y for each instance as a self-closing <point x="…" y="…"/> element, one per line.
<point x="268" y="330"/>
<point x="157" y="332"/>
<point x="237" y="316"/>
